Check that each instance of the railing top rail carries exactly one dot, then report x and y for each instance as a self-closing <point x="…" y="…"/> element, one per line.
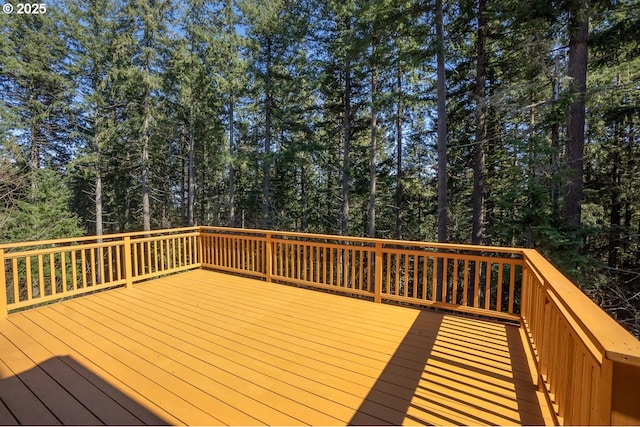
<point x="608" y="336"/>
<point x="370" y="240"/>
<point x="81" y="239"/>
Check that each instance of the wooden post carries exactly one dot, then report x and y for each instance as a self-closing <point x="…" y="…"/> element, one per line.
<point x="377" y="278"/>
<point x="3" y="287"/>
<point x="128" y="270"/>
<point x="524" y="289"/>
<point x="601" y="404"/>
<point x="269" y="259"/>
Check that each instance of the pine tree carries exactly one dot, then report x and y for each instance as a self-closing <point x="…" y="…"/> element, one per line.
<point x="44" y="212"/>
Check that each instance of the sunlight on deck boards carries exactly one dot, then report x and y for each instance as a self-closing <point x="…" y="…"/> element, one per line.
<point x="210" y="349"/>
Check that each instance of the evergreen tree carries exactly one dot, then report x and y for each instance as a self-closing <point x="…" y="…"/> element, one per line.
<point x="43" y="213"/>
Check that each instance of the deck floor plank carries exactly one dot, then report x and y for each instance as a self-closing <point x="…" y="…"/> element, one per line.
<point x="146" y="411"/>
<point x="219" y="377"/>
<point x="64" y="406"/>
<point x="282" y="354"/>
<point x="139" y="375"/>
<point x="6" y="417"/>
<point x="23" y="404"/>
<point x="210" y="348"/>
<point x="102" y="406"/>
<point x="178" y="379"/>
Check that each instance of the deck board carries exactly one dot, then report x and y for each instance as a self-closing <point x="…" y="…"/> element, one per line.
<point x="209" y="349"/>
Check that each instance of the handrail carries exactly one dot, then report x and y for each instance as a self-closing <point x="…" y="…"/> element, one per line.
<point x="614" y="342"/>
<point x="588" y="366"/>
<point x="82" y="239"/>
<point x="38" y="272"/>
<point x="370" y="240"/>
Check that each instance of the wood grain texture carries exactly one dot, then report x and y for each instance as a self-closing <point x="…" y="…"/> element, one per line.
<point x="209" y="348"/>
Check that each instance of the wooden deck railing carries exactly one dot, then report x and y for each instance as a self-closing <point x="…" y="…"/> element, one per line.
<point x="588" y="366"/>
<point x="471" y="279"/>
<point x="39" y="272"/>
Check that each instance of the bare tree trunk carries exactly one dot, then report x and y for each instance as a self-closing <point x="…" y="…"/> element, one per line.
<point x="442" y="128"/>
<point x="399" y="172"/>
<point x="267" y="141"/>
<point x="303" y="196"/>
<point x="98" y="182"/>
<point x="232" y="153"/>
<point x="344" y="212"/>
<point x="615" y="215"/>
<point x="144" y="135"/>
<point x="191" y="186"/>
<point x="578" y="33"/>
<point x="34" y="159"/>
<point x="372" y="148"/>
<point x="478" y="217"/>
<point x="555" y="145"/>
<point x="98" y="192"/>
<point x="146" y="212"/>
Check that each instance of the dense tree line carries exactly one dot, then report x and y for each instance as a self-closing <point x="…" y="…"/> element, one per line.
<point x="490" y="122"/>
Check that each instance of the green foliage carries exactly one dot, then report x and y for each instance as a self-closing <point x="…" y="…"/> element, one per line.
<point x="44" y="213"/>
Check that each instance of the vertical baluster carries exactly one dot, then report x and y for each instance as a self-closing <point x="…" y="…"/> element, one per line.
<point x="119" y="275"/>
<point x="134" y="253"/>
<point x="434" y="278"/>
<point x="425" y="271"/>
<point x="465" y="283"/>
<point x="331" y="272"/>
<point x="147" y="248"/>
<point x="16" y="279"/>
<point x="351" y="261"/>
<point x="52" y="275"/>
<point x="128" y="267"/>
<point x="40" y="276"/>
<point x="454" y="288"/>
<point x="29" y="279"/>
<point x="110" y="250"/>
<point x="512" y="285"/>
<point x="377" y="286"/>
<point x="92" y="257"/>
<point x="499" y="288"/>
<point x="63" y="271"/>
<point x="486" y="264"/>
<point x="74" y="270"/>
<point x="317" y="269"/>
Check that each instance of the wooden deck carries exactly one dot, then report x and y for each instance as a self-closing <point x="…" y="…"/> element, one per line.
<point x="207" y="348"/>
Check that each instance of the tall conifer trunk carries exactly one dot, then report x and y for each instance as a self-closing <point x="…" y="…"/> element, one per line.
<point x="399" y="172"/>
<point x="555" y="144"/>
<point x="346" y="129"/>
<point x="478" y="217"/>
<point x="145" y="130"/>
<point x="232" y="153"/>
<point x="146" y="212"/>
<point x="442" y="128"/>
<point x="267" y="139"/>
<point x="574" y="147"/>
<point x="615" y="212"/>
<point x="372" y="148"/>
<point x="191" y="186"/>
<point x="98" y="205"/>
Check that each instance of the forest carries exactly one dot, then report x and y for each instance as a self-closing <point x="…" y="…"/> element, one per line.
<point x="497" y="122"/>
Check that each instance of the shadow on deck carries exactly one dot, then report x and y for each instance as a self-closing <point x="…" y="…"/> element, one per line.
<point x="61" y="390"/>
<point x="429" y="380"/>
